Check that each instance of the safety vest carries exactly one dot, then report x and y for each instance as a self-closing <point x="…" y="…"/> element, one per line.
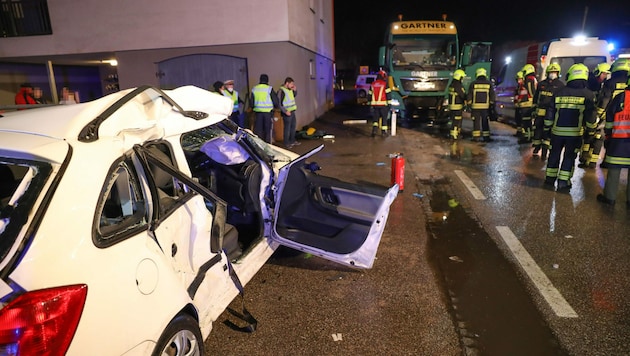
<point x="234" y="96"/>
<point x="262" y="98"/>
<point x="289" y="99"/>
<point x="480" y="95"/>
<point x="621" y="122"/>
<point x="378" y="93"/>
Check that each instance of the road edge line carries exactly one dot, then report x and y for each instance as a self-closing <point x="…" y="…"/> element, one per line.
<point x="553" y="297"/>
<point x="472" y="188"/>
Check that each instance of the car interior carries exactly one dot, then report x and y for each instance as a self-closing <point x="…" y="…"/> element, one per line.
<point x="239" y="185"/>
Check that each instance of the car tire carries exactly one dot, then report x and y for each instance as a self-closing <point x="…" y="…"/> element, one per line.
<point x="181" y="337"/>
<point x="362" y="94"/>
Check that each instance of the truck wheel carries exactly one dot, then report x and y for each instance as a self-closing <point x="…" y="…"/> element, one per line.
<point x="362" y="94"/>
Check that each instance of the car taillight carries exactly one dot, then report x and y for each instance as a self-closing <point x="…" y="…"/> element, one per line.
<point x="41" y="322"/>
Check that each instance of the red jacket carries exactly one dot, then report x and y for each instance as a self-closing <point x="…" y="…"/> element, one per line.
<point x="378" y="93"/>
<point x="24" y="97"/>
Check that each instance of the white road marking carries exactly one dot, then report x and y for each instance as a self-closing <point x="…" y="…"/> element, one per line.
<point x="476" y="193"/>
<point x="553" y="297"/>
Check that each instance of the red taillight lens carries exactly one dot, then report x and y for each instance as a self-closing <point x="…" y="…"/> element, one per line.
<point x="41" y="322"/>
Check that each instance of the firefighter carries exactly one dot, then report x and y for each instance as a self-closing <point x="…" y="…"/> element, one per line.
<point x="596" y="79"/>
<point x="571" y="113"/>
<point x="527" y="104"/>
<point x="610" y="88"/>
<point x="379" y="96"/>
<point x="542" y="101"/>
<point x="457" y="99"/>
<point x="481" y="98"/>
<point x="617" y="144"/>
<point x="520" y="94"/>
<point x="598" y="76"/>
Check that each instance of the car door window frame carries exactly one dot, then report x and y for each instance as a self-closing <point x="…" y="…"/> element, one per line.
<point x="216" y="205"/>
<point x="122" y="210"/>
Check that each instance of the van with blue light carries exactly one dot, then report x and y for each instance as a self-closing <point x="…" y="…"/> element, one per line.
<point x="565" y="51"/>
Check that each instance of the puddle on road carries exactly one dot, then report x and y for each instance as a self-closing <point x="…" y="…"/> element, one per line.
<point x="492" y="311"/>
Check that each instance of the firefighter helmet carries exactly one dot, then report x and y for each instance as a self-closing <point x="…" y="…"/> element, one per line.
<point x="553" y="67"/>
<point x="528" y="69"/>
<point x="601" y="68"/>
<point x="621" y="64"/>
<point x="519" y="75"/>
<point x="577" y="71"/>
<point x="481" y="72"/>
<point x="459" y="74"/>
<point x="382" y="74"/>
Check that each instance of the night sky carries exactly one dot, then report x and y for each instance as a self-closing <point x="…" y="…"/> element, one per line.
<point x="360" y="27"/>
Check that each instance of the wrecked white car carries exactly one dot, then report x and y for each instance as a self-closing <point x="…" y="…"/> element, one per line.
<point x="128" y="224"/>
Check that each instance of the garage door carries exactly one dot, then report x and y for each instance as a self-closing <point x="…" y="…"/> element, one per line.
<point x="203" y="70"/>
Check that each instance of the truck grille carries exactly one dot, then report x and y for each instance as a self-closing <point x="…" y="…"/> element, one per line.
<point x="424" y="85"/>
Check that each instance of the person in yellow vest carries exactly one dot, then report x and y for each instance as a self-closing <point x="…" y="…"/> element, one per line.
<point x="288" y="106"/>
<point x="238" y="102"/>
<point x="263" y="101"/>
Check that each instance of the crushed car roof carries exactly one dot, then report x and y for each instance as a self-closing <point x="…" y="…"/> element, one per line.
<point x="142" y="108"/>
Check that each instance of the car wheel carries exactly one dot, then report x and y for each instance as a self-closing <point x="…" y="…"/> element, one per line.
<point x="182" y="337"/>
<point x="362" y="94"/>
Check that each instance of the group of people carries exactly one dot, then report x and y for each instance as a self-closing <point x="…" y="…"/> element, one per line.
<point x="30" y="95"/>
<point x="560" y="119"/>
<point x="263" y="100"/>
<point x="578" y="117"/>
<point x="480" y="98"/>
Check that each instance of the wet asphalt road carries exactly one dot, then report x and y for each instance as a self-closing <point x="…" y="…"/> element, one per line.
<point x="405" y="304"/>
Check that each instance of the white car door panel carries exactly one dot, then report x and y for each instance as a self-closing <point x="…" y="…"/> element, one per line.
<point x="336" y="220"/>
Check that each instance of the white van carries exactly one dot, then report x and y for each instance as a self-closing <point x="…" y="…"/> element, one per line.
<point x="565" y="51"/>
<point x="362" y="85"/>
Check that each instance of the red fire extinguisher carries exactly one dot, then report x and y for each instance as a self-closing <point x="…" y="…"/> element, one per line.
<point x="398" y="170"/>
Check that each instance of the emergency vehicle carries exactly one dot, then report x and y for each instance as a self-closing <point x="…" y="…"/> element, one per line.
<point x="565" y="51"/>
<point x="362" y="85"/>
<point x="420" y="58"/>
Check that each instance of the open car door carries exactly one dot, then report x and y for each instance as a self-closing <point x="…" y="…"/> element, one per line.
<point x="336" y="220"/>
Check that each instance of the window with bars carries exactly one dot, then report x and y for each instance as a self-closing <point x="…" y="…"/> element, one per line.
<point x="24" y="18"/>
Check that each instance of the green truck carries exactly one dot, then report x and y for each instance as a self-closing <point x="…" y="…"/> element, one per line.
<point x="420" y="58"/>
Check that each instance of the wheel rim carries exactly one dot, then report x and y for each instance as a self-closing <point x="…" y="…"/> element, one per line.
<point x="183" y="343"/>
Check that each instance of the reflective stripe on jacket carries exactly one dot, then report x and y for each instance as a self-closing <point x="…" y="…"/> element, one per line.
<point x="262" y="98"/>
<point x="378" y="93"/>
<point x="573" y="110"/>
<point x="481" y="94"/>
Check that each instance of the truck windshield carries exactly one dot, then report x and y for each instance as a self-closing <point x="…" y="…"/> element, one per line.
<point x="418" y="53"/>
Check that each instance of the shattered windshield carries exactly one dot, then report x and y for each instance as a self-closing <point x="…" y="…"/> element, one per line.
<point x="21" y="183"/>
<point x="411" y="52"/>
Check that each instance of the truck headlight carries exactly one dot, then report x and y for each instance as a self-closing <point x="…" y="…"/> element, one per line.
<point x="394" y="102"/>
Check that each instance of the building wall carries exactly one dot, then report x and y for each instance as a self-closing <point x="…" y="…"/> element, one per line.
<point x="93" y="26"/>
<point x="278" y="60"/>
<point x="277" y="37"/>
